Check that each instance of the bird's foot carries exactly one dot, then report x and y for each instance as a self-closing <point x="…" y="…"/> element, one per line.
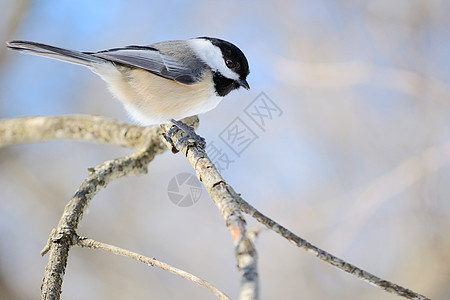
<point x="191" y="135"/>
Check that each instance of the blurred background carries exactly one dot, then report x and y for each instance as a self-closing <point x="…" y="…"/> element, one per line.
<point x="356" y="160"/>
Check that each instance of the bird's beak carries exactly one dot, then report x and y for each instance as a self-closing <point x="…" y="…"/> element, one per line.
<point x="244" y="84"/>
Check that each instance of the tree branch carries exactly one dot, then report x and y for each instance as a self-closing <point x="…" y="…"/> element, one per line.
<point x="148" y="142"/>
<point x="93" y="129"/>
<point x="89" y="243"/>
<point x="226" y="200"/>
<point x="325" y="256"/>
<point x="219" y="191"/>
<point x="76" y="127"/>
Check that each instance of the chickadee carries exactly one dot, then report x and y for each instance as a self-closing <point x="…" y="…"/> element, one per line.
<point x="162" y="82"/>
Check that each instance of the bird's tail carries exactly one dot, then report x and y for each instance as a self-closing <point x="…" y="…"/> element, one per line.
<point x="71" y="56"/>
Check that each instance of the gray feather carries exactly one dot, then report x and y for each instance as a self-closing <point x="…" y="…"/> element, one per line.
<point x="174" y="61"/>
<point x="70" y="56"/>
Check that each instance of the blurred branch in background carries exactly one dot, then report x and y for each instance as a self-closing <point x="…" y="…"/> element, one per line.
<point x="13" y="19"/>
<point x="370" y="197"/>
<point x="348" y="74"/>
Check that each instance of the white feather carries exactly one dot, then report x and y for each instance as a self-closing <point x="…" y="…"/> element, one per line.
<point x="150" y="99"/>
<point x="212" y="56"/>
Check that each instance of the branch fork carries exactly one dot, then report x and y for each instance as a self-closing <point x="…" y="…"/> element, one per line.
<point x="148" y="142"/>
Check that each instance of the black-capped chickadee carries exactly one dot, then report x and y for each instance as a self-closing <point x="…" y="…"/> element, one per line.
<point x="162" y="82"/>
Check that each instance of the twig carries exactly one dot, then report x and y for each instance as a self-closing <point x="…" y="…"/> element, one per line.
<point x="62" y="238"/>
<point x="89" y="243"/>
<point x="325" y="256"/>
<point x="219" y="191"/>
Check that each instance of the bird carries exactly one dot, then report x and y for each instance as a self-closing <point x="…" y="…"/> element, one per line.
<point x="163" y="82"/>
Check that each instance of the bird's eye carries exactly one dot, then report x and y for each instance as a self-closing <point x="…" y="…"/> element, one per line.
<point x="229" y="63"/>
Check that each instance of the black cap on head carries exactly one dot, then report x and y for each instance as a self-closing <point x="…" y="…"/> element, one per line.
<point x="238" y="61"/>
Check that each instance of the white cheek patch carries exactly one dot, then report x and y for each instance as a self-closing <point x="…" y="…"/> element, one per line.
<point x="212" y="56"/>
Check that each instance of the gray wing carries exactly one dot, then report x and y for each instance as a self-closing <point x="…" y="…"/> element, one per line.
<point x="162" y="63"/>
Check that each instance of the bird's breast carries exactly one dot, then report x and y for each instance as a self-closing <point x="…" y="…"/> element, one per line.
<point x="152" y="99"/>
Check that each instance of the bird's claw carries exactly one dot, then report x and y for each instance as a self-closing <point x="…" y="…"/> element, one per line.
<point x="191" y="135"/>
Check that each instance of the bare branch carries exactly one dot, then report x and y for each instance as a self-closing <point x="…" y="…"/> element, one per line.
<point x="325" y="256"/>
<point x="89" y="243"/>
<point x="227" y="203"/>
<point x="64" y="236"/>
<point x="77" y="127"/>
<point x="149" y="143"/>
<point x="247" y="259"/>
